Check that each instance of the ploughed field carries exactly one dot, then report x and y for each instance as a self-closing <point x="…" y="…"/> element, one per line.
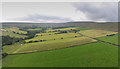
<point x="61" y="47"/>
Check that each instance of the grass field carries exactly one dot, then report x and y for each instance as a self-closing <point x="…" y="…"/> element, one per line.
<point x="34" y="29"/>
<point x="96" y="33"/>
<point x="73" y="48"/>
<point x="45" y="34"/>
<point x="21" y="32"/>
<point x="47" y="45"/>
<point x="111" y="39"/>
<point x="52" y="36"/>
<point x="90" y="55"/>
<point x="82" y="29"/>
<point x="11" y="34"/>
<point x="9" y="31"/>
<point x="51" y="30"/>
<point x="71" y="28"/>
<point x="12" y="29"/>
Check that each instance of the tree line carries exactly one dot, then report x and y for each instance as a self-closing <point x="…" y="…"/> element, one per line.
<point x="7" y="40"/>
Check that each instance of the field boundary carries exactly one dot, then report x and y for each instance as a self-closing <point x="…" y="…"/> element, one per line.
<point x="101" y="40"/>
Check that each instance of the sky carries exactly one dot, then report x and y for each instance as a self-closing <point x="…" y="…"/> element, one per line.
<point x="58" y="12"/>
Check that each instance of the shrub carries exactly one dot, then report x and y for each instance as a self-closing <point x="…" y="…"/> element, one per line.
<point x="4" y="55"/>
<point x="75" y="36"/>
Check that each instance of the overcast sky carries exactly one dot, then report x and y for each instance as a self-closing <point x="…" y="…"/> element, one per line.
<point x="60" y="12"/>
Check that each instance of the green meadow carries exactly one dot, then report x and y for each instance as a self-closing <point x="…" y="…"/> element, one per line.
<point x="91" y="55"/>
<point x="60" y="45"/>
<point x="46" y="45"/>
<point x="52" y="36"/>
<point x="111" y="39"/>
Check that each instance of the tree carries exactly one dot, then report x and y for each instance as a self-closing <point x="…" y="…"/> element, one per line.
<point x="75" y="36"/>
<point x="4" y="55"/>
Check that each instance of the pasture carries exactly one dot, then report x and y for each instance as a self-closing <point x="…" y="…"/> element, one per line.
<point x="71" y="28"/>
<point x="12" y="29"/>
<point x="96" y="33"/>
<point x="47" y="45"/>
<point x="53" y="36"/>
<point x="89" y="55"/>
<point x="9" y="32"/>
<point x="51" y="30"/>
<point x="21" y="32"/>
<point x="34" y="29"/>
<point x="61" y="45"/>
<point x="112" y="39"/>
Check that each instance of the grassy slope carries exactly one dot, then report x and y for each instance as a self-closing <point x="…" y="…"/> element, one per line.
<point x="48" y="30"/>
<point x="46" y="36"/>
<point x="9" y="31"/>
<point x="21" y="32"/>
<point x="53" y="36"/>
<point x="80" y="28"/>
<point x="11" y="34"/>
<point x="47" y="45"/>
<point x="34" y="29"/>
<point x="111" y="39"/>
<point x="96" y="33"/>
<point x="90" y="55"/>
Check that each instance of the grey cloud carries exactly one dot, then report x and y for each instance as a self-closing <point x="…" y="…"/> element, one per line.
<point x="43" y="18"/>
<point x="106" y="11"/>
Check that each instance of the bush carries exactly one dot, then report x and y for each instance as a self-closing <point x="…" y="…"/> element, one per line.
<point x="36" y="41"/>
<point x="41" y="40"/>
<point x="4" y="55"/>
<point x="75" y="36"/>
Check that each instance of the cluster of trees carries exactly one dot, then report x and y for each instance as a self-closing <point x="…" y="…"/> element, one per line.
<point x="28" y="27"/>
<point x="66" y="31"/>
<point x="110" y="35"/>
<point x="7" y="40"/>
<point x="62" y="27"/>
<point x="31" y="33"/>
<point x="36" y="41"/>
<point x="18" y="33"/>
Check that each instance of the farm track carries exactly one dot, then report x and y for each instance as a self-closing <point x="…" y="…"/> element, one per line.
<point x="101" y="40"/>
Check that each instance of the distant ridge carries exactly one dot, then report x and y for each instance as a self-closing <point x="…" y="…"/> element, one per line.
<point x="56" y="23"/>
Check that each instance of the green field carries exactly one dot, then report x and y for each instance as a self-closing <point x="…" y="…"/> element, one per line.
<point x="9" y="32"/>
<point x="52" y="36"/>
<point x="90" y="55"/>
<point x="21" y="32"/>
<point x="71" y="28"/>
<point x="96" y="33"/>
<point x="51" y="30"/>
<point x="11" y="29"/>
<point x="34" y="29"/>
<point x="46" y="45"/>
<point x="82" y="28"/>
<point x="111" y="39"/>
<point x="60" y="45"/>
